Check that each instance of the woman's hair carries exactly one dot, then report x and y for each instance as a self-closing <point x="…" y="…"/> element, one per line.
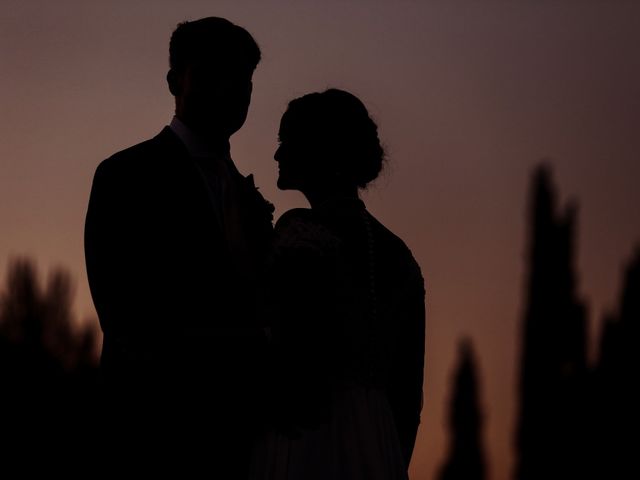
<point x="337" y="126"/>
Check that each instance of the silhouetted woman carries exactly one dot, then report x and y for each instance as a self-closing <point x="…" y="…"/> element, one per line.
<point x="346" y="301"/>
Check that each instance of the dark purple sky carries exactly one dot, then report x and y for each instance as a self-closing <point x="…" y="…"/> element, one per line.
<point x="469" y="96"/>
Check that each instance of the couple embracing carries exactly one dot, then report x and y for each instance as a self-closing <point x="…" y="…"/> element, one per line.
<point x="233" y="349"/>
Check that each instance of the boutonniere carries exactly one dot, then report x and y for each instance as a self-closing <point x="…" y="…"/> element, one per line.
<point x="257" y="215"/>
<point x="257" y="204"/>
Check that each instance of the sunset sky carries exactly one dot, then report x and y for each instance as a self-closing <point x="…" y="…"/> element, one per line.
<point x="469" y="96"/>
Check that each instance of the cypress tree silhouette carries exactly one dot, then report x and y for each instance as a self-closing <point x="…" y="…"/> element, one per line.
<point x="616" y="378"/>
<point x="466" y="455"/>
<point x="551" y="433"/>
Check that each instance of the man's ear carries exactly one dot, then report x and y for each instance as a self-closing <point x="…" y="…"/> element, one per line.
<point x="175" y="82"/>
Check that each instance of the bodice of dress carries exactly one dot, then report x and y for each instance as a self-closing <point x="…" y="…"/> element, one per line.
<point x="346" y="299"/>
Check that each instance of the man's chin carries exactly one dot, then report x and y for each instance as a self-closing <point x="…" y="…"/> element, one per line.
<point x="283" y="184"/>
<point x="214" y="127"/>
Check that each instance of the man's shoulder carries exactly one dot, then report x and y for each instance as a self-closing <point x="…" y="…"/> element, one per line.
<point x="139" y="155"/>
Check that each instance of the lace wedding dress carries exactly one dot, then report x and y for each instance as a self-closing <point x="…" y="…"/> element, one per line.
<point x="345" y="299"/>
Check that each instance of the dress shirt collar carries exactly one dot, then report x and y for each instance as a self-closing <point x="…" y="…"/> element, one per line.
<point x="195" y="144"/>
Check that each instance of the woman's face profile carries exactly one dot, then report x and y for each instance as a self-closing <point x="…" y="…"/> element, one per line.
<point x="294" y="156"/>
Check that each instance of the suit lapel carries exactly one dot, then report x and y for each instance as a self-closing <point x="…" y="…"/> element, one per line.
<point x="174" y="151"/>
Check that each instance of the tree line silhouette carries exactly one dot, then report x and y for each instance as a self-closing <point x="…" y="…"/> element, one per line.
<point x="575" y="419"/>
<point x="48" y="373"/>
<point x="40" y="340"/>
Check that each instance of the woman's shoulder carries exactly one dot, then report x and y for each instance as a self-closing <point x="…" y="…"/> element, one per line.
<point x="389" y="240"/>
<point x="396" y="253"/>
<point x="300" y="229"/>
<point x="294" y="215"/>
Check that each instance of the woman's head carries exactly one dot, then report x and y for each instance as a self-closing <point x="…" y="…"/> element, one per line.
<point x="327" y="141"/>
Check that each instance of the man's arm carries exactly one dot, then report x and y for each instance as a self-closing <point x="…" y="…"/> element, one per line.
<point x="117" y="254"/>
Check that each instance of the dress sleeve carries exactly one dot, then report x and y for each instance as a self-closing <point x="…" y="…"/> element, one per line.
<point x="407" y="371"/>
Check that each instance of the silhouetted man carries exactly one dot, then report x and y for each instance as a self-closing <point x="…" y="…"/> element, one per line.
<point x="174" y="237"/>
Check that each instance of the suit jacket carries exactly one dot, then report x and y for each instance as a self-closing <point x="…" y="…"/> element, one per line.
<point x="175" y="316"/>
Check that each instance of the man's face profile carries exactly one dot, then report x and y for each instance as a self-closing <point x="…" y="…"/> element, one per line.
<point x="212" y="98"/>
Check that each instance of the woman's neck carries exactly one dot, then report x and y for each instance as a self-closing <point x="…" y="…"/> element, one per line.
<point x="320" y="199"/>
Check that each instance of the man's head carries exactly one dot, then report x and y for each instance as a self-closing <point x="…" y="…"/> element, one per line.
<point x="211" y="65"/>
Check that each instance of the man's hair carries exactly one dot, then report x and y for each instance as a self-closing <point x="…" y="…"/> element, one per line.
<point x="214" y="39"/>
